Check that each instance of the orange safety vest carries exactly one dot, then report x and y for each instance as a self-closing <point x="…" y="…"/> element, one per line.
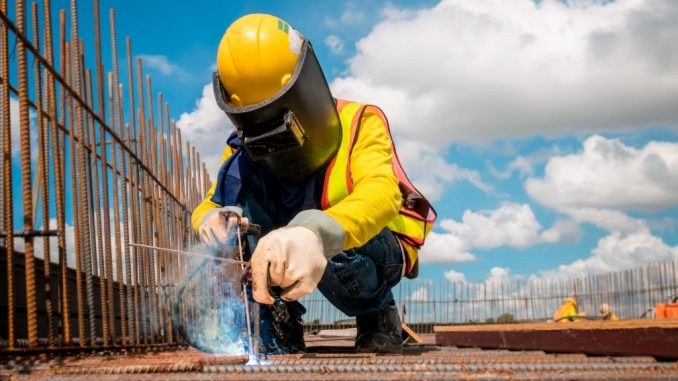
<point x="416" y="216"/>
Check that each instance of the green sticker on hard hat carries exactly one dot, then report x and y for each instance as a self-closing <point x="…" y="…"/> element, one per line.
<point x="283" y="26"/>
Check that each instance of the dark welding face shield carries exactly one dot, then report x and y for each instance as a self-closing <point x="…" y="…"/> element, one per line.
<point x="296" y="131"/>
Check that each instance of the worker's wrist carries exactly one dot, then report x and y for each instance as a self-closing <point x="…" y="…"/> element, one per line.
<point x="211" y="212"/>
<point x="330" y="232"/>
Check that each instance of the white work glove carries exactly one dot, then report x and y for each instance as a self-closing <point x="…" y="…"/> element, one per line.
<point x="291" y="258"/>
<point x="217" y="227"/>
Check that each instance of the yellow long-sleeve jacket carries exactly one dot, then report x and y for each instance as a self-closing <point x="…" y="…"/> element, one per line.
<point x="374" y="201"/>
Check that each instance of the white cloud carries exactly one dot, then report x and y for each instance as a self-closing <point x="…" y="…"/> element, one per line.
<point x="562" y="231"/>
<point x="511" y="225"/>
<point x="207" y="128"/>
<point x="609" y="174"/>
<point x="596" y="186"/>
<point x="524" y="165"/>
<point x="335" y="43"/>
<point x="498" y="69"/>
<point x="419" y="295"/>
<point x="454" y="276"/>
<point x="162" y="64"/>
<point x="618" y="251"/>
<point x="430" y="173"/>
<point x="498" y="274"/>
<point x="15" y="128"/>
<point x="609" y="220"/>
<point x="444" y="248"/>
<point x="353" y="14"/>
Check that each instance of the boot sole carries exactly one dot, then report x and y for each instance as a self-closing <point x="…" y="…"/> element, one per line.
<point x="380" y="345"/>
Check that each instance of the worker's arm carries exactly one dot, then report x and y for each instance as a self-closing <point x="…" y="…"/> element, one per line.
<point x="375" y="199"/>
<point x="207" y="205"/>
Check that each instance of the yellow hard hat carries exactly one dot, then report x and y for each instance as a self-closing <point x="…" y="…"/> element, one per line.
<point x="256" y="58"/>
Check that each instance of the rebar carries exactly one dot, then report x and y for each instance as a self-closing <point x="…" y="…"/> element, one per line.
<point x="115" y="180"/>
<point x="76" y="210"/>
<point x="59" y="166"/>
<point x="43" y="170"/>
<point x="31" y="306"/>
<point x="8" y="206"/>
<point x="74" y="94"/>
<point x="124" y="186"/>
<point x="417" y="363"/>
<point x="101" y="101"/>
<point x="147" y="221"/>
<point x="132" y="297"/>
<point x="102" y="263"/>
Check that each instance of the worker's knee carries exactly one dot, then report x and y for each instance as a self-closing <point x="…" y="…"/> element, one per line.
<point x="352" y="284"/>
<point x="387" y="255"/>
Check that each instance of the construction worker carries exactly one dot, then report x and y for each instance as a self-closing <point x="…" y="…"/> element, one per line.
<point x="606" y="312"/>
<point x="321" y="177"/>
<point x="567" y="311"/>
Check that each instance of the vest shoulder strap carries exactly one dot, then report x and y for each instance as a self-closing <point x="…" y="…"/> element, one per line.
<point x="416" y="214"/>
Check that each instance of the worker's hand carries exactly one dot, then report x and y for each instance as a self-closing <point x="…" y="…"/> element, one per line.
<point x="291" y="258"/>
<point x="219" y="226"/>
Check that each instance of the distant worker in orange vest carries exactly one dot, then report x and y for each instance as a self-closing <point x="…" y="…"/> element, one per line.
<point x="321" y="177"/>
<point x="606" y="312"/>
<point x="568" y="312"/>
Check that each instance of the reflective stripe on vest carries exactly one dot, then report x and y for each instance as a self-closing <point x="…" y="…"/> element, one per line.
<point x="411" y="225"/>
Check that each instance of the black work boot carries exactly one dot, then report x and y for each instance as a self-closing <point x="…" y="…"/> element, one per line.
<point x="380" y="332"/>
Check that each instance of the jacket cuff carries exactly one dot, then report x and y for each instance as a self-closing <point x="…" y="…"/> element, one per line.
<point x="331" y="233"/>
<point x="211" y="212"/>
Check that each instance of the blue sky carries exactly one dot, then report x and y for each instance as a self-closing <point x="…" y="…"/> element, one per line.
<point x="545" y="134"/>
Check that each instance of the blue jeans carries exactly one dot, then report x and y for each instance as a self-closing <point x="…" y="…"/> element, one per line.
<point x="359" y="281"/>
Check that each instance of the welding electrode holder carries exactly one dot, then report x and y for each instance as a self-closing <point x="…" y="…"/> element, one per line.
<point x="252" y="229"/>
<point x="283" y="321"/>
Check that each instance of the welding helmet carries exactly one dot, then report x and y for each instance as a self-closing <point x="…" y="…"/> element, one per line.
<point x="270" y="85"/>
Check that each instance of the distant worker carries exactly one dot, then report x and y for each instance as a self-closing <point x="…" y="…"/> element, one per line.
<point x="568" y="312"/>
<point x="321" y="177"/>
<point x="606" y="312"/>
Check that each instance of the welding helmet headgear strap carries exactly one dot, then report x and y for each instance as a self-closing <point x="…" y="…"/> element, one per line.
<point x="295" y="132"/>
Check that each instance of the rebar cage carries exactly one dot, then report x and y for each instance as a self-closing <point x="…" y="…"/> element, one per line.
<point x="92" y="178"/>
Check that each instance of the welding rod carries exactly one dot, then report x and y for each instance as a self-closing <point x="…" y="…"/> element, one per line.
<point x="187" y="253"/>
<point x="244" y="293"/>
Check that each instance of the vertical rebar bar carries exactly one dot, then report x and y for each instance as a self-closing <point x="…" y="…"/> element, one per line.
<point x="146" y="223"/>
<point x="43" y="160"/>
<point x="124" y="179"/>
<point x="6" y="131"/>
<point x="77" y="227"/>
<point x="59" y="165"/>
<point x="115" y="176"/>
<point x="87" y="152"/>
<point x="82" y="171"/>
<point x="24" y="133"/>
<point x="105" y="283"/>
<point x="150" y="258"/>
<point x="132" y="304"/>
<point x="101" y="103"/>
<point x="161" y="223"/>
